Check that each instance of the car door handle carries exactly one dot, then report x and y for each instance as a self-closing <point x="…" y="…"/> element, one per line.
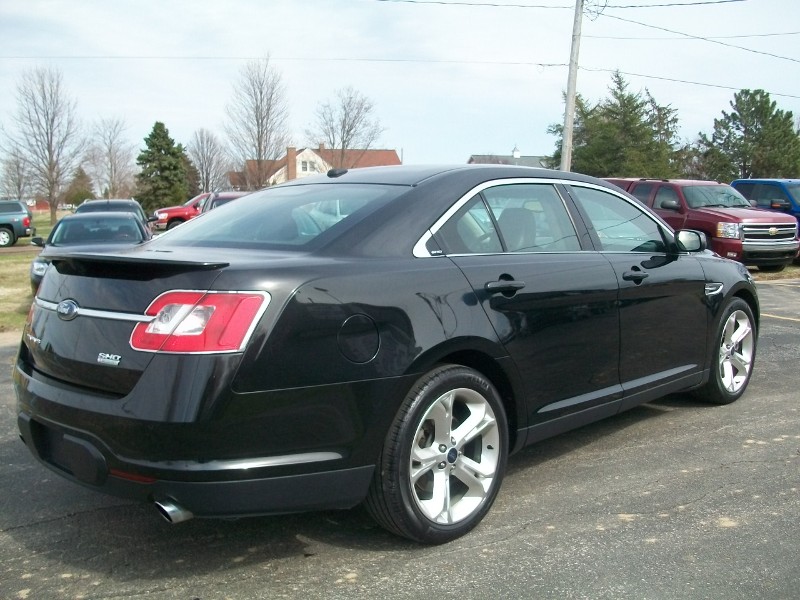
<point x="504" y="286"/>
<point x="636" y="275"/>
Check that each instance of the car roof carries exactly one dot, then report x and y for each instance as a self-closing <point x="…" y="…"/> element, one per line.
<point x="116" y="201"/>
<point x="96" y="215"/>
<point x="412" y="175"/>
<point x="766" y="180"/>
<point x="660" y="180"/>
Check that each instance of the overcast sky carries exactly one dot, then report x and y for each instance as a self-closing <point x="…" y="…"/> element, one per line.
<point x="448" y="78"/>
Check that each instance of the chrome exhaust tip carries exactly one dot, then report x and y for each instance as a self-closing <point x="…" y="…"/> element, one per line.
<point x="172" y="512"/>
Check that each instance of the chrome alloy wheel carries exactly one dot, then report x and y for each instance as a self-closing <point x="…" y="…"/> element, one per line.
<point x="737" y="346"/>
<point x="454" y="456"/>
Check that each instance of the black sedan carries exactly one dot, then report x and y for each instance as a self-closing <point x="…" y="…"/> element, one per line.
<point x="386" y="336"/>
<point x="87" y="229"/>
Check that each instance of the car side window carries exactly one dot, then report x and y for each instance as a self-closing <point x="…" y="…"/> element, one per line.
<point x="531" y="217"/>
<point x="642" y="192"/>
<point x="665" y="194"/>
<point x="766" y="193"/>
<point x="620" y="226"/>
<point x="470" y="231"/>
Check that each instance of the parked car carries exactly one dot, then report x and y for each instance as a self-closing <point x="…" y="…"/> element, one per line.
<point x="172" y="216"/>
<point x="217" y="199"/>
<point x="15" y="222"/>
<point x="258" y="360"/>
<point x="116" y="205"/>
<point x="772" y="194"/>
<point x="87" y="231"/>
<point x="734" y="228"/>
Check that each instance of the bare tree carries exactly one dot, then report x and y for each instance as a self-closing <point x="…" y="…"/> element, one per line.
<point x="47" y="132"/>
<point x="16" y="180"/>
<point x="211" y="160"/>
<point x="112" y="159"/>
<point x="257" y="120"/>
<point x="346" y="126"/>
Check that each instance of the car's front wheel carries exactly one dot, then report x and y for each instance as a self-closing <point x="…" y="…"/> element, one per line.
<point x="443" y="459"/>
<point x="734" y="353"/>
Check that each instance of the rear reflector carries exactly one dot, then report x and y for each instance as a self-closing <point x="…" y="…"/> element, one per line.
<point x="197" y="322"/>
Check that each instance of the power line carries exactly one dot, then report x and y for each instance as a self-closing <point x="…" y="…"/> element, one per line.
<point x="700" y="83"/>
<point x="710" y="37"/>
<point x="516" y="63"/>
<point x="549" y="6"/>
<point x="704" y="39"/>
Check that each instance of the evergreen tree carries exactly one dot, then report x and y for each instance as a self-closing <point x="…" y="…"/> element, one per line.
<point x="162" y="180"/>
<point x="624" y="135"/>
<point x="79" y="189"/>
<point x="756" y="139"/>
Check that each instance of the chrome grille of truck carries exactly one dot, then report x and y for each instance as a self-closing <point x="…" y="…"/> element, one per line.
<point x="765" y="233"/>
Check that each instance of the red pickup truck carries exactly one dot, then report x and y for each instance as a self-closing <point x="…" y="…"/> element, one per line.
<point x="735" y="229"/>
<point x="172" y="216"/>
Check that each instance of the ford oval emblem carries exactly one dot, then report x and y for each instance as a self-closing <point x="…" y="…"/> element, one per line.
<point x="67" y="310"/>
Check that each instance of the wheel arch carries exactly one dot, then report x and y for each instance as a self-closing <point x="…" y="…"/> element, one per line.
<point x="483" y="357"/>
<point x="746" y="295"/>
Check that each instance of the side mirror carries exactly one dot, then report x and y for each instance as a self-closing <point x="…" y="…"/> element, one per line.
<point x="689" y="240"/>
<point x="152" y="219"/>
<point x="37" y="241"/>
<point x="780" y="205"/>
<point x="670" y="205"/>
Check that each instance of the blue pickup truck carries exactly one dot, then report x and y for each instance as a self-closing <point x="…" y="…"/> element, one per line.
<point x="773" y="194"/>
<point x="15" y="222"/>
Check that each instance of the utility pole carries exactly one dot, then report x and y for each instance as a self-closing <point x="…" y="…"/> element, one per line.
<point x="569" y="112"/>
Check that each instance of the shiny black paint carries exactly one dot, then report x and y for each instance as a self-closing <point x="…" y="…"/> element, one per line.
<point x="348" y="330"/>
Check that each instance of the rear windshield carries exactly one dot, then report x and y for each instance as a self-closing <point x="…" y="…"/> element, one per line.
<point x="106" y="206"/>
<point x="297" y="216"/>
<point x="93" y="231"/>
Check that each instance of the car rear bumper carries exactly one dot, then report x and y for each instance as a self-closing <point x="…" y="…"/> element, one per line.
<point x="216" y="490"/>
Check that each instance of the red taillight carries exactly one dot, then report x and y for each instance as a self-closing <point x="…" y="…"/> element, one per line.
<point x="198" y="322"/>
<point x="26" y="221"/>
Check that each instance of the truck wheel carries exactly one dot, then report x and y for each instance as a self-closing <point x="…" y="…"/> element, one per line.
<point x="734" y="353"/>
<point x="443" y="459"/>
<point x="6" y="237"/>
<point x="173" y="224"/>
<point x="772" y="268"/>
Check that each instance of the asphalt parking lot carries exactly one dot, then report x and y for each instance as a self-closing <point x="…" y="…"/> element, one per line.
<point x="674" y="499"/>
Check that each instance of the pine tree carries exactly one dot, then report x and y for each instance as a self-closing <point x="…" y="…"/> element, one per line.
<point x="162" y="180"/>
<point x="624" y="135"/>
<point x="80" y="188"/>
<point x="756" y="139"/>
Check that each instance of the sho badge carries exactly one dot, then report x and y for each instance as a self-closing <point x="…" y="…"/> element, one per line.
<point x="108" y="359"/>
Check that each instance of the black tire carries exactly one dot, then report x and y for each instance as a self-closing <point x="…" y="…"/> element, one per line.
<point x="173" y="224"/>
<point x="734" y="352"/>
<point x="441" y="468"/>
<point x="6" y="237"/>
<point x="772" y="268"/>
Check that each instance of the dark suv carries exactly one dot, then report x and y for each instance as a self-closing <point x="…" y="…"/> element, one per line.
<point x="15" y="222"/>
<point x="734" y="228"/>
